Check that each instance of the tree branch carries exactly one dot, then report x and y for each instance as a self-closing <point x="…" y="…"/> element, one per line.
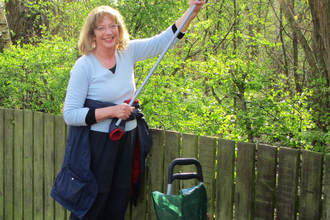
<point x="294" y="25"/>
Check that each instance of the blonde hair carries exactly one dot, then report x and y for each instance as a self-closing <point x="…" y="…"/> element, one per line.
<point x="95" y="17"/>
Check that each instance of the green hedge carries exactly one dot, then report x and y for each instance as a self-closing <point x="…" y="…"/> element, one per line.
<point x="35" y="76"/>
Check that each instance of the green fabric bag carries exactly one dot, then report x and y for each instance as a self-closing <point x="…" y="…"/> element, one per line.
<point x="191" y="204"/>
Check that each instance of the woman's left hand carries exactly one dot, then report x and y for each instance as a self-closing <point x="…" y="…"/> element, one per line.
<point x="199" y="4"/>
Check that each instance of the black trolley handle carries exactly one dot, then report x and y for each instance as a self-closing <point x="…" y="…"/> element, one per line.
<point x="183" y="176"/>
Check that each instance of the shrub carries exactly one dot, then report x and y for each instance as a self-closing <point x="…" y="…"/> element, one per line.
<point x="35" y="77"/>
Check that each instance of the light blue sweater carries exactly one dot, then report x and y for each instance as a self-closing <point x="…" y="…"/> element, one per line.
<point x="90" y="80"/>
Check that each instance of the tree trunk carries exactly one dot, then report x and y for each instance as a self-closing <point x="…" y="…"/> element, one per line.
<point x="303" y="41"/>
<point x="4" y="29"/>
<point x="285" y="59"/>
<point x="16" y="18"/>
<point x="320" y="10"/>
<point x="295" y="63"/>
<point x="295" y="57"/>
<point x="318" y="59"/>
<point x="26" y="23"/>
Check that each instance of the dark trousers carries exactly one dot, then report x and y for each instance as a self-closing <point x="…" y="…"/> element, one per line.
<point x="111" y="164"/>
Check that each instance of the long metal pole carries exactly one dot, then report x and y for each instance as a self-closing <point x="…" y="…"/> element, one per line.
<point x="159" y="59"/>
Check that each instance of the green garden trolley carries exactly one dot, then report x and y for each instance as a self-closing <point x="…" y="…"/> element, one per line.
<point x="191" y="204"/>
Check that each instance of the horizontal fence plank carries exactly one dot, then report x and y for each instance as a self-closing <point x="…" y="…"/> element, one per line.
<point x="245" y="176"/>
<point x="266" y="182"/>
<point x="287" y="184"/>
<point x="225" y="180"/>
<point x="311" y="185"/>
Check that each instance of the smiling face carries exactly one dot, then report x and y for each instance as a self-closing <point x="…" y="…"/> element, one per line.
<point x="106" y="34"/>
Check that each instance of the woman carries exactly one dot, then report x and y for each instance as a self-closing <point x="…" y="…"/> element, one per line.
<point x="97" y="173"/>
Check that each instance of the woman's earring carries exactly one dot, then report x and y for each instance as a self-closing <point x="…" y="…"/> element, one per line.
<point x="93" y="44"/>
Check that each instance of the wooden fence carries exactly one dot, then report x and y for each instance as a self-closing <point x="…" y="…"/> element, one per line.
<point x="243" y="181"/>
